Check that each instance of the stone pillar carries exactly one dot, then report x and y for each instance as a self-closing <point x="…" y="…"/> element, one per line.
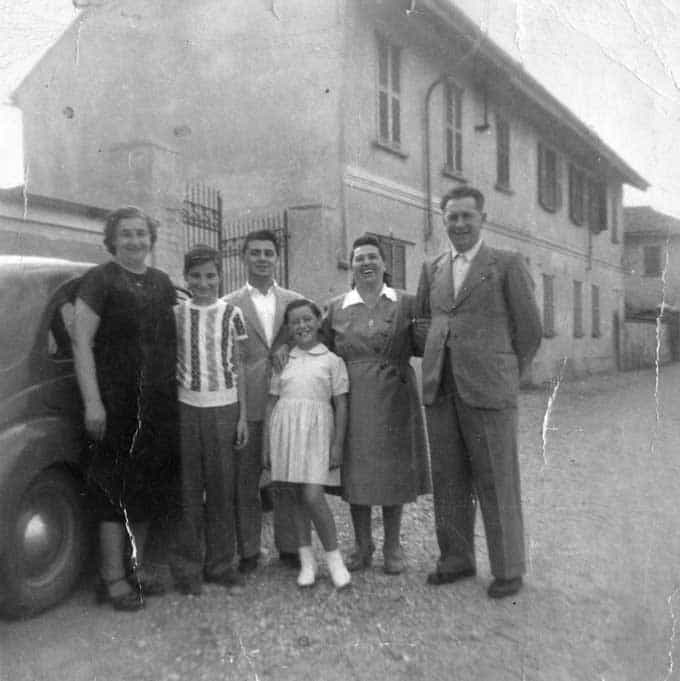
<point x="148" y="175"/>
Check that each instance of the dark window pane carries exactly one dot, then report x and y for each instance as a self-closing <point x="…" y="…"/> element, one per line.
<point x="399" y="266"/>
<point x="384" y="117"/>
<point x="652" y="261"/>
<point x="459" y="151"/>
<point x="578" y="309"/>
<point x="396" y="121"/>
<point x="548" y="306"/>
<point x="383" y="56"/>
<point x="459" y="108"/>
<point x="396" y="69"/>
<point x="449" y="148"/>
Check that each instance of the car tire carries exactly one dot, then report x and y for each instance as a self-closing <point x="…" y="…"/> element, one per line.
<point x="47" y="544"/>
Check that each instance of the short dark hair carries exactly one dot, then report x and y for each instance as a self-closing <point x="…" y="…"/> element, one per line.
<point x="461" y="193"/>
<point x="260" y="235"/>
<point x="302" y="302"/>
<point x="366" y="240"/>
<point x="114" y="218"/>
<point x="199" y="254"/>
<point x="370" y="240"/>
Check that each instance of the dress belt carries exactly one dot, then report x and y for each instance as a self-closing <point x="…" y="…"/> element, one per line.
<point x="401" y="367"/>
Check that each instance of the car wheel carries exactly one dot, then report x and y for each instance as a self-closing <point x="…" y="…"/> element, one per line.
<point x="47" y="544"/>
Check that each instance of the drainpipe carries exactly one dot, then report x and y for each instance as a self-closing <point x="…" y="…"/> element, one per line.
<point x="426" y="148"/>
<point x="426" y="140"/>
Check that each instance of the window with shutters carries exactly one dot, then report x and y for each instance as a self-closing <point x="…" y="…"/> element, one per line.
<point x="502" y="153"/>
<point x="577" y="195"/>
<point x="595" y="308"/>
<point x="549" y="179"/>
<point x="395" y="259"/>
<point x="548" y="305"/>
<point x="597" y="206"/>
<point x="453" y="129"/>
<point x="389" y="94"/>
<point x="652" y="261"/>
<point x="616" y="203"/>
<point x="578" y="309"/>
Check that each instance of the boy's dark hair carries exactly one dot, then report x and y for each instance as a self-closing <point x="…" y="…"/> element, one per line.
<point x="200" y="254"/>
<point x="114" y="217"/>
<point x="461" y="193"/>
<point x="260" y="235"/>
<point x="302" y="302"/>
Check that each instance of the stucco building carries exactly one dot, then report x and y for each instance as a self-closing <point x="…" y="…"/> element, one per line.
<point x="354" y="115"/>
<point x="652" y="281"/>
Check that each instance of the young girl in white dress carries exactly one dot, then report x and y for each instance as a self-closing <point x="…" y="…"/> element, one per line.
<point x="307" y="418"/>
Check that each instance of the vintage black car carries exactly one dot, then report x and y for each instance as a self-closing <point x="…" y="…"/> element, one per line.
<point x="43" y="526"/>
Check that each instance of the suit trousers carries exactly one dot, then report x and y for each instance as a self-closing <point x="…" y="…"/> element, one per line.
<point x="474" y="454"/>
<point x="249" y="510"/>
<point x="206" y="438"/>
<point x="248" y="462"/>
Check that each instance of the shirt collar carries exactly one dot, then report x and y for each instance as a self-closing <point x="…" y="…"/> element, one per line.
<point x="256" y="291"/>
<point x="318" y="349"/>
<point x="354" y="298"/>
<point x="469" y="254"/>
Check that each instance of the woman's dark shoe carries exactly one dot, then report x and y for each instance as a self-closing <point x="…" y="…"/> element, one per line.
<point x="249" y="564"/>
<point x="129" y="601"/>
<point x="291" y="560"/>
<point x="500" y="588"/>
<point x="394" y="562"/>
<point x="438" y="578"/>
<point x="360" y="559"/>
<point x="148" y="584"/>
<point x="189" y="586"/>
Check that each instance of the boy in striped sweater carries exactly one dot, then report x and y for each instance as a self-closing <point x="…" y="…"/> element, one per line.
<point x="213" y="421"/>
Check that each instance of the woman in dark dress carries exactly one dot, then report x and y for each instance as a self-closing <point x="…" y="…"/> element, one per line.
<point x="386" y="461"/>
<point x="125" y="355"/>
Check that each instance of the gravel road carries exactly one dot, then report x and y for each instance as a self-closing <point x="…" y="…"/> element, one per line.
<point x="600" y="482"/>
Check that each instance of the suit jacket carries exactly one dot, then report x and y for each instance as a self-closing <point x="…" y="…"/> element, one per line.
<point x="257" y="353"/>
<point x="491" y="329"/>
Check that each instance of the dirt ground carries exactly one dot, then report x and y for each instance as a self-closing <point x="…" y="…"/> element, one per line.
<point x="601" y="595"/>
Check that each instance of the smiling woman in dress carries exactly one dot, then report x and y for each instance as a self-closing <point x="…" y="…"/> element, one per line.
<point x="385" y="461"/>
<point x="125" y="354"/>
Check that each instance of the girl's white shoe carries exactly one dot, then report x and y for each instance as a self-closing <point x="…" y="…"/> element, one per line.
<point x="339" y="573"/>
<point x="308" y="568"/>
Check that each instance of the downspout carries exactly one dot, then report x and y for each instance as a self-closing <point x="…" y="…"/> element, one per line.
<point x="426" y="148"/>
<point x="426" y="140"/>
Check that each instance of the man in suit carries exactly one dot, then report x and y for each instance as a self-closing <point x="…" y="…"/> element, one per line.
<point x="484" y="330"/>
<point x="262" y="303"/>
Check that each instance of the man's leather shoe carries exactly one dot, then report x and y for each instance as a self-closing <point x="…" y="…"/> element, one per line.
<point x="289" y="559"/>
<point x="248" y="564"/>
<point x="438" y="578"/>
<point x="500" y="588"/>
<point x="228" y="578"/>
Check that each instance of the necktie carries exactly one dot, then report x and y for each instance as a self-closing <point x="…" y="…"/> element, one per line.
<point x="459" y="271"/>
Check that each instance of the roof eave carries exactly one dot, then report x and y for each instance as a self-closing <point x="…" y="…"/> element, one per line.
<point x="530" y="88"/>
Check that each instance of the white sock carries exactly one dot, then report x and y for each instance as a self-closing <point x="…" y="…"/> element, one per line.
<point x="307" y="574"/>
<point x="336" y="566"/>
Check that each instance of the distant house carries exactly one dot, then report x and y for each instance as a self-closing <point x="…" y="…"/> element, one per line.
<point x="652" y="280"/>
<point x="343" y="117"/>
<point x="32" y="224"/>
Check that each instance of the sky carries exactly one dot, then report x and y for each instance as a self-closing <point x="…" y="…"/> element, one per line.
<point x="614" y="63"/>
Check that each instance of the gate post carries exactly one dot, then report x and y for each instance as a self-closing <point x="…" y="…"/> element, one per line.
<point x="147" y="174"/>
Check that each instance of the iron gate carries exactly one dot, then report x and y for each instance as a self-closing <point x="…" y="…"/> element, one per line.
<point x="202" y="216"/>
<point x="204" y="223"/>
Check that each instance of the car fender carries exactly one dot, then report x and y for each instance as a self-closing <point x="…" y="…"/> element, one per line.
<point x="29" y="448"/>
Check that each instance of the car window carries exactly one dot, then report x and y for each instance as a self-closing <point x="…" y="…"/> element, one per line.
<point x="60" y="335"/>
<point x="60" y="330"/>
